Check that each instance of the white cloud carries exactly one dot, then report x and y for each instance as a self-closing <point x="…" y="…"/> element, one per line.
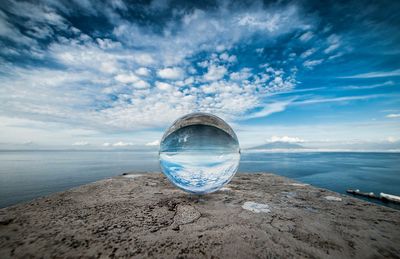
<point x="355" y="87"/>
<point x="275" y="21"/>
<point x="334" y="43"/>
<point x="142" y="71"/>
<point x="141" y="84"/>
<point x="215" y="73"/>
<point x="153" y="143"/>
<point x="393" y="115"/>
<point x="108" y="44"/>
<point x="338" y="99"/>
<point x="308" y="53"/>
<point x="173" y="73"/>
<point x="285" y="139"/>
<point x="108" y="85"/>
<point x="95" y="69"/>
<point x="312" y="63"/>
<point x="85" y="54"/>
<point x="228" y="58"/>
<point x="306" y="36"/>
<point x="219" y="30"/>
<point x="392" y="139"/>
<point x="243" y="74"/>
<point x="10" y="32"/>
<point x="81" y="143"/>
<point x="144" y="59"/>
<point x="269" y="109"/>
<point x="331" y="48"/>
<point x="126" y="78"/>
<point x="163" y="86"/>
<point x="122" y="144"/>
<point x="337" y="55"/>
<point x="376" y="74"/>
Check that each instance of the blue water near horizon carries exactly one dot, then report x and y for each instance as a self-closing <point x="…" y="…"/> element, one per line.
<point x="25" y="175"/>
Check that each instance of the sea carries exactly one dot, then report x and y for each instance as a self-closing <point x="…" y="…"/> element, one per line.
<point x="26" y="175"/>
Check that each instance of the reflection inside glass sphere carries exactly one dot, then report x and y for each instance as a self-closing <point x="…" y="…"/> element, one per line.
<point x="199" y="153"/>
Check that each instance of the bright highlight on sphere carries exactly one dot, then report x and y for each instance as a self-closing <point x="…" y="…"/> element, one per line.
<point x="199" y="153"/>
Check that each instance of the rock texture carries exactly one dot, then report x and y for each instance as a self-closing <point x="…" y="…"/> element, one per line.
<point x="256" y="215"/>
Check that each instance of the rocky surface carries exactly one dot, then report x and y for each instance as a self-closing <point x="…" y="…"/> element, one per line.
<point x="256" y="215"/>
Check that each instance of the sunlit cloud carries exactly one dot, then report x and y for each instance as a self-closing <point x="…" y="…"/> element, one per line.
<point x="249" y="64"/>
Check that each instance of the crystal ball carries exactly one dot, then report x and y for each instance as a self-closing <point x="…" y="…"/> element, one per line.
<point x="199" y="153"/>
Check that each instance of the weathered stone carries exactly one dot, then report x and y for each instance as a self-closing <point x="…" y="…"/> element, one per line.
<point x="145" y="216"/>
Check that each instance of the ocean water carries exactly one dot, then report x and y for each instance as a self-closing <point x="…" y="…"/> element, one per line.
<point x="25" y="175"/>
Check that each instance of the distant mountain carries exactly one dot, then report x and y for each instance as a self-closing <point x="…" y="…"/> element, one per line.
<point x="279" y="145"/>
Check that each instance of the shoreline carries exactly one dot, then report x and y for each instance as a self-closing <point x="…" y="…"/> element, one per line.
<point x="391" y="205"/>
<point x="244" y="150"/>
<point x="143" y="215"/>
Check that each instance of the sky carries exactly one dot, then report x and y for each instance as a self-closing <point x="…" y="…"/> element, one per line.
<point x="116" y="74"/>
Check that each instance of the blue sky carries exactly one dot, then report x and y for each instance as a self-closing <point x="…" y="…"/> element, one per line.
<point x="87" y="74"/>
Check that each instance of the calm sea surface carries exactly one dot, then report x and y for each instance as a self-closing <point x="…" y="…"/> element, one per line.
<point x="25" y="175"/>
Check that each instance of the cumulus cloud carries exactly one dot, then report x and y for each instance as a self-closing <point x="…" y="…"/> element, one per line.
<point x="215" y="73"/>
<point x="163" y="86"/>
<point x="128" y="74"/>
<point x="228" y="58"/>
<point x="172" y="73"/>
<point x="241" y="75"/>
<point x="141" y="84"/>
<point x="143" y="71"/>
<point x="126" y="78"/>
<point x="135" y="77"/>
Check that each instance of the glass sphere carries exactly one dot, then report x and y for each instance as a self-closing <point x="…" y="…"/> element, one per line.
<point x="199" y="153"/>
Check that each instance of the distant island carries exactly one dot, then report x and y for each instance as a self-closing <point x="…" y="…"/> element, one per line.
<point x="278" y="145"/>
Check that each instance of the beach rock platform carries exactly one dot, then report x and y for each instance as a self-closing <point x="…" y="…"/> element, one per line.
<point x="144" y="215"/>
